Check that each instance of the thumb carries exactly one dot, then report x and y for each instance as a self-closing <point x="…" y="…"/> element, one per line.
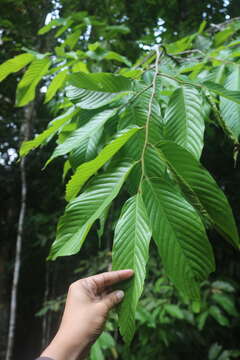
<point x="113" y="299"/>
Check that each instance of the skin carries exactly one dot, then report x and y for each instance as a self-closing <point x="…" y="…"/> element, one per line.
<point x="87" y="306"/>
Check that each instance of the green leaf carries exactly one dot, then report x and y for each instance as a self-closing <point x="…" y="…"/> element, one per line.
<point x="174" y="311"/>
<point x="72" y="39"/>
<point x="86" y="170"/>
<point x="200" y="189"/>
<point x="91" y="91"/>
<point x="54" y="23"/>
<point x="104" y="82"/>
<point x="180" y="45"/>
<point x="184" y="122"/>
<point x="55" y="85"/>
<point x="214" y="351"/>
<point x="53" y="128"/>
<point x="78" y="136"/>
<point x="114" y="30"/>
<point x="102" y="222"/>
<point x="201" y="319"/>
<point x="222" y="91"/>
<point x="216" y="313"/>
<point x="180" y="236"/>
<point x="222" y="36"/>
<point x="66" y="168"/>
<point x="202" y="26"/>
<point x="223" y="286"/>
<point x="15" y="64"/>
<point x="87" y="99"/>
<point x="137" y="114"/>
<point x="130" y="251"/>
<point x="230" y="111"/>
<point x="80" y="66"/>
<point x="226" y="302"/>
<point x="87" y="151"/>
<point x="112" y="55"/>
<point x="96" y="351"/>
<point x="31" y="78"/>
<point x="81" y="213"/>
<point x="105" y="341"/>
<point x="133" y="74"/>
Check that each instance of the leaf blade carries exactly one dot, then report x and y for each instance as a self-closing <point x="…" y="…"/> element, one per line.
<point x="81" y="213"/>
<point x="130" y="251"/>
<point x="200" y="188"/>
<point x="222" y="91"/>
<point x="55" y="85"/>
<point x="27" y="86"/>
<point x="27" y="146"/>
<point x="230" y="110"/>
<point x="76" y="138"/>
<point x="15" y="64"/>
<point x="184" y="122"/>
<point x="180" y="236"/>
<point x="86" y="170"/>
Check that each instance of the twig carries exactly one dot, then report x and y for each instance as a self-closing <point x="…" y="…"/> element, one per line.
<point x="158" y="56"/>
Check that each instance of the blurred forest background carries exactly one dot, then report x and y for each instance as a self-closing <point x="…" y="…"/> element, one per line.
<point x="166" y="327"/>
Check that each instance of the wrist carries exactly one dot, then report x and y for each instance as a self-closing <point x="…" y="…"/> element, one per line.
<point x="61" y="349"/>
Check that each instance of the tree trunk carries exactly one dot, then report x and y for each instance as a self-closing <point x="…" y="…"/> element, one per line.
<point x="25" y="132"/>
<point x="46" y="318"/>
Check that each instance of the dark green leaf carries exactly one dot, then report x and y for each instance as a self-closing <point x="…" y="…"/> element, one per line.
<point x="201" y="189"/>
<point x="130" y="251"/>
<point x="180" y="236"/>
<point x="81" y="213"/>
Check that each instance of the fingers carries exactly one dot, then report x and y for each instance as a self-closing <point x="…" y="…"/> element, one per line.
<point x="109" y="278"/>
<point x="113" y="299"/>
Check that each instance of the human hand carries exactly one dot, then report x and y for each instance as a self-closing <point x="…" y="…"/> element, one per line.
<point x="88" y="303"/>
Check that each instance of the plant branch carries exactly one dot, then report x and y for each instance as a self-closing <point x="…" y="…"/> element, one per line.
<point x="158" y="56"/>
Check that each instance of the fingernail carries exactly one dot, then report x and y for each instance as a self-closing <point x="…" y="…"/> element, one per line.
<point x="120" y="294"/>
<point x="128" y="271"/>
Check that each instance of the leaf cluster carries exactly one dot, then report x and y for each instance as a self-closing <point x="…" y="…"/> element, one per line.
<point x="140" y="127"/>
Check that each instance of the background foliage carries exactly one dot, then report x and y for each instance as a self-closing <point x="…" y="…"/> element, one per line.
<point x="110" y="52"/>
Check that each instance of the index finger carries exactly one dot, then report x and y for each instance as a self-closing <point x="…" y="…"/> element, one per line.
<point x="110" y="278"/>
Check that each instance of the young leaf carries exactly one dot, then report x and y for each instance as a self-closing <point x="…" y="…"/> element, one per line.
<point x="130" y="251"/>
<point x="53" y="128"/>
<point x="184" y="122"/>
<point x="200" y="188"/>
<point x="34" y="74"/>
<point x="53" y="24"/>
<point x="180" y="236"/>
<point x="76" y="138"/>
<point x="222" y="91"/>
<point x="81" y="213"/>
<point x="112" y="55"/>
<point x="230" y="111"/>
<point x="86" y="170"/>
<point x="14" y="65"/>
<point x="55" y="85"/>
